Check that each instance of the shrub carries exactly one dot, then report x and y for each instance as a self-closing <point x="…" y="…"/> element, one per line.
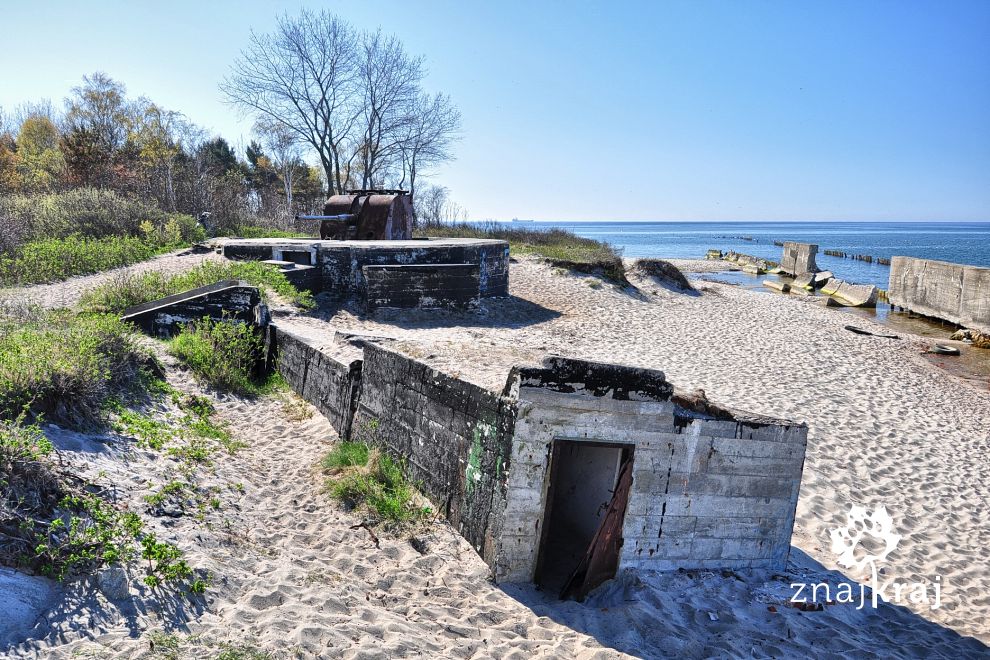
<point x="89" y="212"/>
<point x="56" y="528"/>
<point x="57" y="259"/>
<point x="558" y="246"/>
<point x="359" y="477"/>
<point x="129" y="290"/>
<point x="663" y="270"/>
<point x="222" y="354"/>
<point x="48" y="238"/>
<point x="65" y="366"/>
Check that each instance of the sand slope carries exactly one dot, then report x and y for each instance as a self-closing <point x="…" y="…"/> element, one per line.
<point x="291" y="576"/>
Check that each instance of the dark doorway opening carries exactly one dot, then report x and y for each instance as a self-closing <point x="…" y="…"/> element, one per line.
<point x="586" y="504"/>
<point x="301" y="257"/>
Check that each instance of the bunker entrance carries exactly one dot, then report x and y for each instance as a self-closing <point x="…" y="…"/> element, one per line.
<point x="586" y="504"/>
<point x="301" y="257"/>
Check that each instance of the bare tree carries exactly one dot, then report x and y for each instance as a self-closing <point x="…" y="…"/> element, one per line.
<point x="158" y="137"/>
<point x="434" y="125"/>
<point x="389" y="80"/>
<point x="302" y="76"/>
<point x="283" y="144"/>
<point x="437" y="208"/>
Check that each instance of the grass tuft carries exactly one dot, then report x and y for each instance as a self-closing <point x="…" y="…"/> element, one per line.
<point x="65" y="366"/>
<point x="130" y="290"/>
<point x="222" y="354"/>
<point x="360" y="477"/>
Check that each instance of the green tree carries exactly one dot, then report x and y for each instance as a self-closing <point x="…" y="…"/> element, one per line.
<point x="98" y="120"/>
<point x="40" y="163"/>
<point x="217" y="157"/>
<point x="156" y="137"/>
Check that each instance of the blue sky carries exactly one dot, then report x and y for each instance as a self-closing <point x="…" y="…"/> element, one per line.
<point x="692" y="110"/>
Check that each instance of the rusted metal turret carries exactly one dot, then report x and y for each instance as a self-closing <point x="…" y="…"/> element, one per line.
<point x="366" y="215"/>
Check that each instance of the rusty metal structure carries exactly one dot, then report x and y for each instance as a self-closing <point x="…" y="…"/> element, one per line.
<point x="366" y="215"/>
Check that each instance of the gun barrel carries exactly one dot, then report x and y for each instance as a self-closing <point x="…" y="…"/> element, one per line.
<point x="343" y="216"/>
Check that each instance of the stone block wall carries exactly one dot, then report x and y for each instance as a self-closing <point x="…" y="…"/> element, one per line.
<point x="416" y="285"/>
<point x="952" y="292"/>
<point x="711" y="488"/>
<point x="228" y="299"/>
<point x="453" y="435"/>
<point x="709" y="491"/>
<point x="331" y="383"/>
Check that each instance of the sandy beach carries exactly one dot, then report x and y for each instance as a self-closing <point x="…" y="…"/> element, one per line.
<point x="293" y="576"/>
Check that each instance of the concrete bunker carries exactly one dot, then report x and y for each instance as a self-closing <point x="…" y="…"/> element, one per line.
<point x="403" y="274"/>
<point x="577" y="469"/>
<point x="574" y="471"/>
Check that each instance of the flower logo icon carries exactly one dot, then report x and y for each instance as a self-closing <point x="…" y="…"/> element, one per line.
<point x="859" y="524"/>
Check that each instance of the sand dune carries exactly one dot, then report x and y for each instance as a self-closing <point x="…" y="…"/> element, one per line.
<point x="291" y="576"/>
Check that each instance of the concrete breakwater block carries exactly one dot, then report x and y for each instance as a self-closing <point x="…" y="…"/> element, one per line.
<point x="783" y="287"/>
<point x="798" y="258"/>
<point x="753" y="269"/>
<point x="852" y="295"/>
<point x="805" y="281"/>
<point x="831" y="286"/>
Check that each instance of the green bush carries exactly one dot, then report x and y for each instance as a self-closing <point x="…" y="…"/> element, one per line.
<point x="346" y="454"/>
<point x="89" y="212"/>
<point x="253" y="231"/>
<point x="222" y="354"/>
<point x="57" y="259"/>
<point x="65" y="366"/>
<point x="48" y="238"/>
<point x="558" y="246"/>
<point x="359" y="477"/>
<point x="129" y="290"/>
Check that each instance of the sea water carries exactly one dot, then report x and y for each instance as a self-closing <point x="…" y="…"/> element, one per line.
<point x="958" y="242"/>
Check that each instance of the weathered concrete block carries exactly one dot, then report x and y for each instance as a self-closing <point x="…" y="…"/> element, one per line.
<point x="783" y="287"/>
<point x="227" y="299"/>
<point x="853" y="295"/>
<point x="953" y="292"/>
<point x="798" y="258"/>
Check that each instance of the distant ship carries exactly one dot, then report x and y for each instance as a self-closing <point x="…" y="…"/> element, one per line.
<point x="518" y="220"/>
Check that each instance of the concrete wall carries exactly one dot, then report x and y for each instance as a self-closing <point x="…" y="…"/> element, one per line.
<point x="953" y="292"/>
<point x="228" y="299"/>
<point x="330" y="382"/>
<point x="342" y="264"/>
<point x="799" y="258"/>
<point x="454" y="436"/>
<point x="706" y="493"/>
<point x="415" y="285"/>
<point x="711" y="488"/>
